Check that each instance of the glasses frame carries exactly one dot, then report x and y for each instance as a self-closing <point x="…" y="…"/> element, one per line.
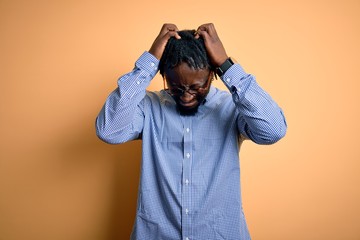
<point x="194" y="92"/>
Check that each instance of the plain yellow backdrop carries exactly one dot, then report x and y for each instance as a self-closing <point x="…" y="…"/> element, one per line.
<point x="59" y="60"/>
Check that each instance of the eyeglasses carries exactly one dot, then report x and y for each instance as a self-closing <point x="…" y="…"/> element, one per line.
<point x="179" y="91"/>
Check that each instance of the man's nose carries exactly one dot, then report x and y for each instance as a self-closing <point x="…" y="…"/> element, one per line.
<point x="186" y="96"/>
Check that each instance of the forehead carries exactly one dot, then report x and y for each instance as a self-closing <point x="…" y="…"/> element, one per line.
<point x="183" y="74"/>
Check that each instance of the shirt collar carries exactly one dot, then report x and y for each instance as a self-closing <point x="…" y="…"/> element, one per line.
<point x="210" y="94"/>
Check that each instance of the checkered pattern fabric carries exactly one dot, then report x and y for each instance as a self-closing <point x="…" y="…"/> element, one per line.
<point x="190" y="172"/>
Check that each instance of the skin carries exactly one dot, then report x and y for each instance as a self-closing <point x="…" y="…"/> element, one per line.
<point x="214" y="46"/>
<point x="183" y="75"/>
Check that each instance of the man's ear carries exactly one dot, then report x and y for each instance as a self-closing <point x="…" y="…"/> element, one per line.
<point x="213" y="74"/>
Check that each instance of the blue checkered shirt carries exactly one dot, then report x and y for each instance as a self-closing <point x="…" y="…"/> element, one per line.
<point x="190" y="173"/>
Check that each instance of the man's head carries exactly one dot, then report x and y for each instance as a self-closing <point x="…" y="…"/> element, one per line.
<point x="187" y="70"/>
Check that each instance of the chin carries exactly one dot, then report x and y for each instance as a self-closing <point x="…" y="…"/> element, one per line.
<point x="187" y="111"/>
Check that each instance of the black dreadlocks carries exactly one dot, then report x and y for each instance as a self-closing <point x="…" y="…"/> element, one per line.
<point x="187" y="49"/>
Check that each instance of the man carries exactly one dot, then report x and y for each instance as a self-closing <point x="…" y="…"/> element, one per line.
<point x="191" y="135"/>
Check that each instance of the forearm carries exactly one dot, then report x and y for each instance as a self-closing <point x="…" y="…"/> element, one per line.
<point x="121" y="117"/>
<point x="259" y="118"/>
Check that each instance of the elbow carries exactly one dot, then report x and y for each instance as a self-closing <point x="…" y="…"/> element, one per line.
<point x="103" y="133"/>
<point x="103" y="136"/>
<point x="276" y="133"/>
<point x="276" y="136"/>
<point x="269" y="135"/>
<point x="110" y="138"/>
<point x="114" y="136"/>
<point x="268" y="139"/>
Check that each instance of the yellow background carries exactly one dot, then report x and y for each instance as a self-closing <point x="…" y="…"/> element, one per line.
<point x="59" y="60"/>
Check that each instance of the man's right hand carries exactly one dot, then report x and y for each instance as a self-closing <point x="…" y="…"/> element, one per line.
<point x="167" y="31"/>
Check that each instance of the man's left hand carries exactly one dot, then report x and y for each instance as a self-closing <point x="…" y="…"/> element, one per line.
<point x="214" y="46"/>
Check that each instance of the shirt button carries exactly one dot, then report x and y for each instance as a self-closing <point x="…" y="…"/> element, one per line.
<point x="187" y="238"/>
<point x="186" y="211"/>
<point x="188" y="155"/>
<point x="138" y="82"/>
<point x="187" y="130"/>
<point x="186" y="181"/>
<point x="152" y="64"/>
<point x="228" y="79"/>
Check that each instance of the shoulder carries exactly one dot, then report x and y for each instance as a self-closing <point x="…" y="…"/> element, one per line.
<point x="158" y="99"/>
<point x="217" y="94"/>
<point x="158" y="96"/>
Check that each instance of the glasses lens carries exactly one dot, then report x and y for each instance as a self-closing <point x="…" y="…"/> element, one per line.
<point x="193" y="91"/>
<point x="177" y="91"/>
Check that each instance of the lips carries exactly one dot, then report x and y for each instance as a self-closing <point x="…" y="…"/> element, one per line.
<point x="189" y="104"/>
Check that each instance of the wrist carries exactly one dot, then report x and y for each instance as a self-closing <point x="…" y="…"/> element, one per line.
<point x="226" y="64"/>
<point x="221" y="61"/>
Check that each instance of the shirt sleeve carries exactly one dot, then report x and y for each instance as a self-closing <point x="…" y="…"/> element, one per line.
<point x="122" y="116"/>
<point x="259" y="116"/>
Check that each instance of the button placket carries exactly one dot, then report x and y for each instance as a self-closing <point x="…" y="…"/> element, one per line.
<point x="186" y="177"/>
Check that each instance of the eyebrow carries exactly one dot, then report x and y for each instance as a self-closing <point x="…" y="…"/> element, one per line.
<point x="195" y="85"/>
<point x="191" y="86"/>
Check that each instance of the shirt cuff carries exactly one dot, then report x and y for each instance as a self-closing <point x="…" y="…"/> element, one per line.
<point x="148" y="62"/>
<point x="237" y="81"/>
<point x="233" y="76"/>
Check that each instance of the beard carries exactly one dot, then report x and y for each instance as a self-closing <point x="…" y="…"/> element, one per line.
<point x="185" y="111"/>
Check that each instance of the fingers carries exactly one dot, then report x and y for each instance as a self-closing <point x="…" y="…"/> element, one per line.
<point x="167" y="31"/>
<point x="170" y="30"/>
<point x="174" y="34"/>
<point x="208" y="27"/>
<point x="206" y="30"/>
<point x="169" y="27"/>
<point x="213" y="44"/>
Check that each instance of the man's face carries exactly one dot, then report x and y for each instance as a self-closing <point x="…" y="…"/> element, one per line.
<point x="188" y="87"/>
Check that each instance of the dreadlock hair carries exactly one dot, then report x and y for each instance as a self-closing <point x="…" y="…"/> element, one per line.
<point x="188" y="49"/>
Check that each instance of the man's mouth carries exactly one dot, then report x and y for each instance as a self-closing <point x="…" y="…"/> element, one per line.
<point x="189" y="104"/>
